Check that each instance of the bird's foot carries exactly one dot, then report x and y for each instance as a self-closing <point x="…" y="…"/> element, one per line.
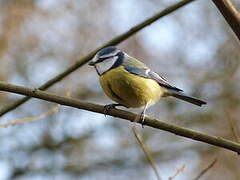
<point x="140" y="119"/>
<point x="108" y="107"/>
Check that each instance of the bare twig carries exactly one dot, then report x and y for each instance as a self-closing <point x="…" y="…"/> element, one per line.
<point x="146" y="152"/>
<point x="149" y="121"/>
<point x="206" y="169"/>
<point x="51" y="111"/>
<point x="85" y="59"/>
<point x="230" y="13"/>
<point x="179" y="170"/>
<point x="232" y="125"/>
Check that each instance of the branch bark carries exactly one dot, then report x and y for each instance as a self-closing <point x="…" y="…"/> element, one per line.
<point x="149" y="121"/>
<point x="230" y="13"/>
<point x="85" y="59"/>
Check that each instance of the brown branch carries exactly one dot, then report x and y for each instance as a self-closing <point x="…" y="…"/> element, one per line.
<point x="206" y="169"/>
<point x="230" y="13"/>
<point x="149" y="121"/>
<point x="85" y="59"/>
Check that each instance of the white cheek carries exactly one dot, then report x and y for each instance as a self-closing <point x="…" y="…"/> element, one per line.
<point x="105" y="65"/>
<point x="100" y="69"/>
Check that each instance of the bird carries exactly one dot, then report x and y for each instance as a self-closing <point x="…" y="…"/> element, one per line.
<point x="130" y="83"/>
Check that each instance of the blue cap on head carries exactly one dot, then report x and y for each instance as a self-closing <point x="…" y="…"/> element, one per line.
<point x="107" y="50"/>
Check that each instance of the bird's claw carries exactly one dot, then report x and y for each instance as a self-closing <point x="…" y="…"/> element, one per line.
<point x="140" y="119"/>
<point x="108" y="107"/>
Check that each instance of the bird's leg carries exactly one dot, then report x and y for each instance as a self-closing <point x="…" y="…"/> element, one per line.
<point x="109" y="107"/>
<point x="140" y="118"/>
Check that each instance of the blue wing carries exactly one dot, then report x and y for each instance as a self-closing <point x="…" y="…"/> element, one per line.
<point x="147" y="73"/>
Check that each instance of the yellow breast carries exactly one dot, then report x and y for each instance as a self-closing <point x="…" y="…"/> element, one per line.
<point x="129" y="89"/>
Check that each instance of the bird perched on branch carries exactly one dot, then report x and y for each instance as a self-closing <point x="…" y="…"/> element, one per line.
<point x="131" y="83"/>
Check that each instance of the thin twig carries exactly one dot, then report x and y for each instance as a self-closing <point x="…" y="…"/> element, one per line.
<point x="204" y="171"/>
<point x="179" y="170"/>
<point x="85" y="59"/>
<point x="51" y="111"/>
<point x="146" y="152"/>
<point x="232" y="126"/>
<point x="230" y="13"/>
<point x="149" y="121"/>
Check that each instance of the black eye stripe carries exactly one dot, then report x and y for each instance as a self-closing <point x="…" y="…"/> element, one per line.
<point x="102" y="59"/>
<point x="118" y="61"/>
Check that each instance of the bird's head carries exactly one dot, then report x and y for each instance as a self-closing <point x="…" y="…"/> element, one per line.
<point x="107" y="59"/>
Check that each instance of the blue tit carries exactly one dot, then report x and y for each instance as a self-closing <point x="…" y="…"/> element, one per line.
<point x="131" y="83"/>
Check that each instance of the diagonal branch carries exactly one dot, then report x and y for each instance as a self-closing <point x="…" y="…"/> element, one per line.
<point x="230" y="13"/>
<point x="146" y="152"/>
<point x="149" y="121"/>
<point x="204" y="171"/>
<point x="85" y="59"/>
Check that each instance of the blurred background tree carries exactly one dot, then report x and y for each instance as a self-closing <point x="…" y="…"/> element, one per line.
<point x="193" y="47"/>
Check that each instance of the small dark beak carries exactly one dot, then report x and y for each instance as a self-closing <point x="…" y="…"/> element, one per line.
<point x="91" y="63"/>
